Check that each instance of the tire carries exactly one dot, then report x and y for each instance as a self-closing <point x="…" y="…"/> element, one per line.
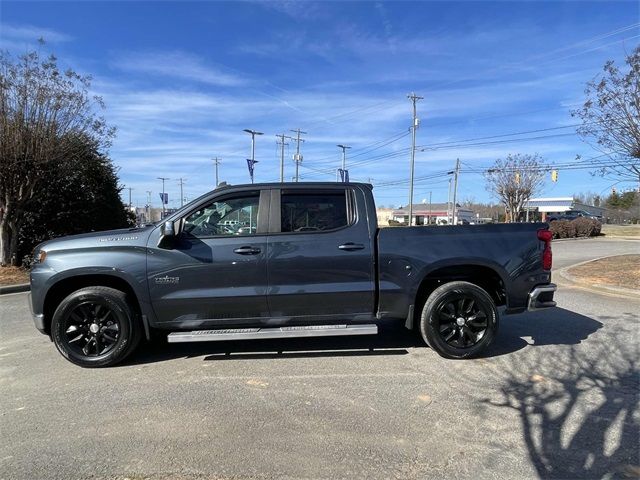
<point x="96" y="327"/>
<point x="459" y="320"/>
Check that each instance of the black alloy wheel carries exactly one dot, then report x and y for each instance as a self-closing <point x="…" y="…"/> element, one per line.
<point x="96" y="327"/>
<point x="92" y="329"/>
<point x="459" y="320"/>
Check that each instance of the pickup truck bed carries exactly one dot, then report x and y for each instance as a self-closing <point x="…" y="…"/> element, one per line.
<point x="503" y="258"/>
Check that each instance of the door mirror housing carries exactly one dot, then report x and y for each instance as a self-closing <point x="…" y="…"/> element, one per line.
<point x="168" y="230"/>
<point x="168" y="235"/>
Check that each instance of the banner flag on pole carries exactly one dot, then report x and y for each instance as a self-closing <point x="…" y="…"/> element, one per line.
<point x="251" y="165"/>
<point x="164" y="197"/>
<point x="344" y="175"/>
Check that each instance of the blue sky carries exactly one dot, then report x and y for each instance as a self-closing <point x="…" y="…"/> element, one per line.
<point x="182" y="80"/>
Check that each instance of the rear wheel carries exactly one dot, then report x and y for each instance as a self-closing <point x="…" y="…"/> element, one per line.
<point x="459" y="320"/>
<point x="95" y="327"/>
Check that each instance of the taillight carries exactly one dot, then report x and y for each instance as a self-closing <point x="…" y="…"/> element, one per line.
<point x="547" y="258"/>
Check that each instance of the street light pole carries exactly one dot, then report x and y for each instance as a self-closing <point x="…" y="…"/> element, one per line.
<point x="344" y="160"/>
<point x="253" y="134"/>
<point x="163" y="180"/>
<point x="216" y="162"/>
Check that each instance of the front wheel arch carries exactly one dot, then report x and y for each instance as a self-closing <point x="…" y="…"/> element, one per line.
<point x="66" y="286"/>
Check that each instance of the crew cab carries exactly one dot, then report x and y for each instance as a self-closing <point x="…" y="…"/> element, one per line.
<point x="285" y="260"/>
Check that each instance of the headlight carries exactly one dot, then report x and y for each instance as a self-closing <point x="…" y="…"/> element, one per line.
<point x="40" y="256"/>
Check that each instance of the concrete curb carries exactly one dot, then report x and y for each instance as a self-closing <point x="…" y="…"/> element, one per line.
<point x="573" y="239"/>
<point x="23" y="287"/>
<point x="596" y="288"/>
<point x="599" y="237"/>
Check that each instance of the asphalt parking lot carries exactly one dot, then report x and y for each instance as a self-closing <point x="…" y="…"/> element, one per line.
<point x="556" y="397"/>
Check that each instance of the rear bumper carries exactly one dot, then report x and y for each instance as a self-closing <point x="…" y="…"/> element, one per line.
<point x="542" y="297"/>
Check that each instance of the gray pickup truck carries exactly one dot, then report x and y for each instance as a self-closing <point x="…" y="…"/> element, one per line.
<point x="285" y="260"/>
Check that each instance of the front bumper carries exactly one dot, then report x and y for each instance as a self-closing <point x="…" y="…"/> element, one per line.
<point x="542" y="297"/>
<point x="38" y="318"/>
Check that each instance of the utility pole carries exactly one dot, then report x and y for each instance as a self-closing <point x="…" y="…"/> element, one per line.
<point x="181" y="183"/>
<point x="148" y="205"/>
<point x="129" y="188"/>
<point x="282" y="144"/>
<point x="414" y="98"/>
<point x="163" y="180"/>
<point x="429" y="222"/>
<point x="297" y="157"/>
<point x="344" y="161"/>
<point x="448" y="203"/>
<point x="455" y="190"/>
<point x="253" y="134"/>
<point x="216" y="162"/>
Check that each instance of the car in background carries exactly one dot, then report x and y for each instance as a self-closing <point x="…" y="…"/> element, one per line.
<point x="572" y="215"/>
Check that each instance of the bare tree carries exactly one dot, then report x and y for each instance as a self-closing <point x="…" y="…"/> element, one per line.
<point x="43" y="110"/>
<point x="588" y="198"/>
<point x="611" y="117"/>
<point x="515" y="180"/>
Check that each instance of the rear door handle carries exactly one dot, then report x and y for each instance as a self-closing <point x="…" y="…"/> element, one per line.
<point x="247" y="251"/>
<point x="351" y="246"/>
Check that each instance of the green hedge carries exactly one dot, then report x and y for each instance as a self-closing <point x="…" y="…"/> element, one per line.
<point x="579" y="227"/>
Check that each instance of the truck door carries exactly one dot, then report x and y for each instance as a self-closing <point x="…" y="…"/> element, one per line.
<point x="321" y="260"/>
<point x="215" y="273"/>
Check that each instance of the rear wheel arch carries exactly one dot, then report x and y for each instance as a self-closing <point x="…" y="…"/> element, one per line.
<point x="482" y="276"/>
<point x="65" y="286"/>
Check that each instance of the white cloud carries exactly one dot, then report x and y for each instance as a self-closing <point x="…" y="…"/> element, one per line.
<point x="178" y="64"/>
<point x="31" y="34"/>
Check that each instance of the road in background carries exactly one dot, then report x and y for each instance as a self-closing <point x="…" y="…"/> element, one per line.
<point x="378" y="407"/>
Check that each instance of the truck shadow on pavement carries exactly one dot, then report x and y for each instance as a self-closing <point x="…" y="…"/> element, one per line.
<point x="555" y="327"/>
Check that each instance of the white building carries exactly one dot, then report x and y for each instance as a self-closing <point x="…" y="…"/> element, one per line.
<point x="435" y="213"/>
<point x="540" y="208"/>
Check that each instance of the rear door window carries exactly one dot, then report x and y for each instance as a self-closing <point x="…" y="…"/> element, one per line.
<point x="314" y="211"/>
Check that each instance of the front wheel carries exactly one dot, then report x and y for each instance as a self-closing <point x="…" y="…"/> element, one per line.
<point x="459" y="320"/>
<point x="95" y="327"/>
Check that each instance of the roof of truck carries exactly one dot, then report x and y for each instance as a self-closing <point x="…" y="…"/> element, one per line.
<point x="294" y="184"/>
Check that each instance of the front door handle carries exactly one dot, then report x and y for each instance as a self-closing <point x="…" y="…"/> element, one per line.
<point x="247" y="250"/>
<point x="351" y="246"/>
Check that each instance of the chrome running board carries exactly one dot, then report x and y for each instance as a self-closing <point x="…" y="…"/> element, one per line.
<point x="278" y="332"/>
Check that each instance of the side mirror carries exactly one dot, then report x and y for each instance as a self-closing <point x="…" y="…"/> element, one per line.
<point x="168" y="235"/>
<point x="168" y="230"/>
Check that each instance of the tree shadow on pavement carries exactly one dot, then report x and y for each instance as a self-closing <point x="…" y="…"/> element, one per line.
<point x="579" y="408"/>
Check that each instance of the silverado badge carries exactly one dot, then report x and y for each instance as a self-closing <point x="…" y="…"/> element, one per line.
<point x="166" y="280"/>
